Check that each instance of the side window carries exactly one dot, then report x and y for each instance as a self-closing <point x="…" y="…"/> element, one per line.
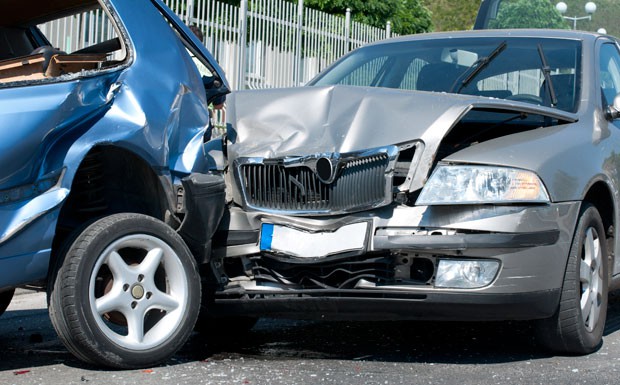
<point x="81" y="41"/>
<point x="609" y="72"/>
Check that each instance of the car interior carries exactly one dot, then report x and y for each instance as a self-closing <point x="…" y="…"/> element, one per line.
<point x="37" y="39"/>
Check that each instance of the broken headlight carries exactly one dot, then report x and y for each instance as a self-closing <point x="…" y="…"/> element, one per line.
<point x="454" y="184"/>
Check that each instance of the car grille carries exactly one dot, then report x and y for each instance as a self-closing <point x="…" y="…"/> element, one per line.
<point x="361" y="184"/>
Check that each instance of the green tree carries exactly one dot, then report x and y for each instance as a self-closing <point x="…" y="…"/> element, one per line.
<point x="412" y="17"/>
<point x="451" y="15"/>
<point x="406" y="16"/>
<point x="528" y="14"/>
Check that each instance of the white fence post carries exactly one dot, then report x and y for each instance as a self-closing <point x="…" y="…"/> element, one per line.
<point x="243" y="45"/>
<point x="347" y="30"/>
<point x="258" y="44"/>
<point x="189" y="12"/>
<point x="300" y="25"/>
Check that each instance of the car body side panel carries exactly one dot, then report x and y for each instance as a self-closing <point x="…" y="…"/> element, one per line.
<point x="25" y="257"/>
<point x="154" y="107"/>
<point x="35" y="118"/>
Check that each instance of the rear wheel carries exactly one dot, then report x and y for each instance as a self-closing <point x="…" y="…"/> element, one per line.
<point x="127" y="293"/>
<point x="577" y="326"/>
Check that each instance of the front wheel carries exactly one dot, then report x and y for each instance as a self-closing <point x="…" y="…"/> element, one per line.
<point x="127" y="294"/>
<point x="578" y="323"/>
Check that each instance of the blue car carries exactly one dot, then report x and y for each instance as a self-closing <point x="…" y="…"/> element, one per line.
<point x="104" y="195"/>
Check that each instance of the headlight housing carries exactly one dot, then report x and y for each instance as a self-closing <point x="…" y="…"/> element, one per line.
<point x="469" y="184"/>
<point x="465" y="274"/>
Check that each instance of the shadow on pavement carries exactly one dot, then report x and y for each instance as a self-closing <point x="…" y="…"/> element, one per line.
<point x="28" y="340"/>
<point x="440" y="342"/>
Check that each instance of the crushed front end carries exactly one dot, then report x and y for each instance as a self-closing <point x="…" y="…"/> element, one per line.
<point x="348" y="235"/>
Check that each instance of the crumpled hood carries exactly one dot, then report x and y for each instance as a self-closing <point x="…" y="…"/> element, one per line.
<point x="308" y="120"/>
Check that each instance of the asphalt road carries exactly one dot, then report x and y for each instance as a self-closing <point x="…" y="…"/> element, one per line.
<point x="301" y="352"/>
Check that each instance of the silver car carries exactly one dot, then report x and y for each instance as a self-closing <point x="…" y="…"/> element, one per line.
<point x="449" y="176"/>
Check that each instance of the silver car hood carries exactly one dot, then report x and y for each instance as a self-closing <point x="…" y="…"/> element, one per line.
<point x="341" y="119"/>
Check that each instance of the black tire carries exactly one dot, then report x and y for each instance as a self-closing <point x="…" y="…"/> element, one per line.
<point x="5" y="299"/>
<point x="127" y="293"/>
<point x="574" y="329"/>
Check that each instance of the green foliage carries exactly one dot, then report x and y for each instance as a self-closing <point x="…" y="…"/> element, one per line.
<point x="528" y="14"/>
<point x="412" y="17"/>
<point x="451" y="15"/>
<point x="406" y="16"/>
<point x="454" y="15"/>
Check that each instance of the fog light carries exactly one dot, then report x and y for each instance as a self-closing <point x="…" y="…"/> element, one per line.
<point x="467" y="274"/>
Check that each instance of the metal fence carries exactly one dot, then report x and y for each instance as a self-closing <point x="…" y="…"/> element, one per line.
<point x="273" y="43"/>
<point x="259" y="44"/>
<point x="72" y="33"/>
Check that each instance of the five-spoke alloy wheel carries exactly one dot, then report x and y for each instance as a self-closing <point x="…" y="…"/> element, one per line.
<point x="127" y="294"/>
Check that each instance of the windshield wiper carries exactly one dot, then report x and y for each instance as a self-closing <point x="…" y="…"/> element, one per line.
<point x="478" y="66"/>
<point x="547" y="73"/>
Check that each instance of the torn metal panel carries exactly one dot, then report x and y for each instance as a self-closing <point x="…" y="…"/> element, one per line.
<point x="39" y="118"/>
<point x="126" y="93"/>
<point x="285" y="123"/>
<point x="299" y="121"/>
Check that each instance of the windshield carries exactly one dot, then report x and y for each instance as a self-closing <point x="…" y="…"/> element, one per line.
<point x="510" y="68"/>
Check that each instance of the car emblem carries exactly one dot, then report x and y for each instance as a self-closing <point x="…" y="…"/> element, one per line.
<point x="326" y="169"/>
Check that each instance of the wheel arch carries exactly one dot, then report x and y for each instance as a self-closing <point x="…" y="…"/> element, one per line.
<point x="601" y="197"/>
<point x="110" y="180"/>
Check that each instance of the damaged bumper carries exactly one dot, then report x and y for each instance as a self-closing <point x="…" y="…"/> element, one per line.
<point x="393" y="262"/>
<point x="372" y="306"/>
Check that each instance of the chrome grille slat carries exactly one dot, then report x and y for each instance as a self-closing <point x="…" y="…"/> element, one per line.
<point x="362" y="183"/>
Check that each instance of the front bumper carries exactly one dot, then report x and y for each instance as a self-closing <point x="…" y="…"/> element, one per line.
<point x="531" y="244"/>
<point x="372" y="306"/>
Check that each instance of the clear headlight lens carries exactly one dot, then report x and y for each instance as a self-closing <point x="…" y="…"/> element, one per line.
<point x="465" y="274"/>
<point x="482" y="184"/>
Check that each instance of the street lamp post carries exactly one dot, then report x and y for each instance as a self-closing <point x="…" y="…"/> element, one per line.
<point x="590" y="9"/>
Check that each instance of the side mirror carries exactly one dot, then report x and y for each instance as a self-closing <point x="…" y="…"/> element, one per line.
<point x="613" y="110"/>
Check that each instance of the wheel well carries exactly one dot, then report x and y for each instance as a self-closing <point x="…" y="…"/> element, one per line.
<point x="109" y="180"/>
<point x="600" y="196"/>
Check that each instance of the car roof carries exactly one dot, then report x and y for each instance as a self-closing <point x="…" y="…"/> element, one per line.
<point x="498" y="33"/>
